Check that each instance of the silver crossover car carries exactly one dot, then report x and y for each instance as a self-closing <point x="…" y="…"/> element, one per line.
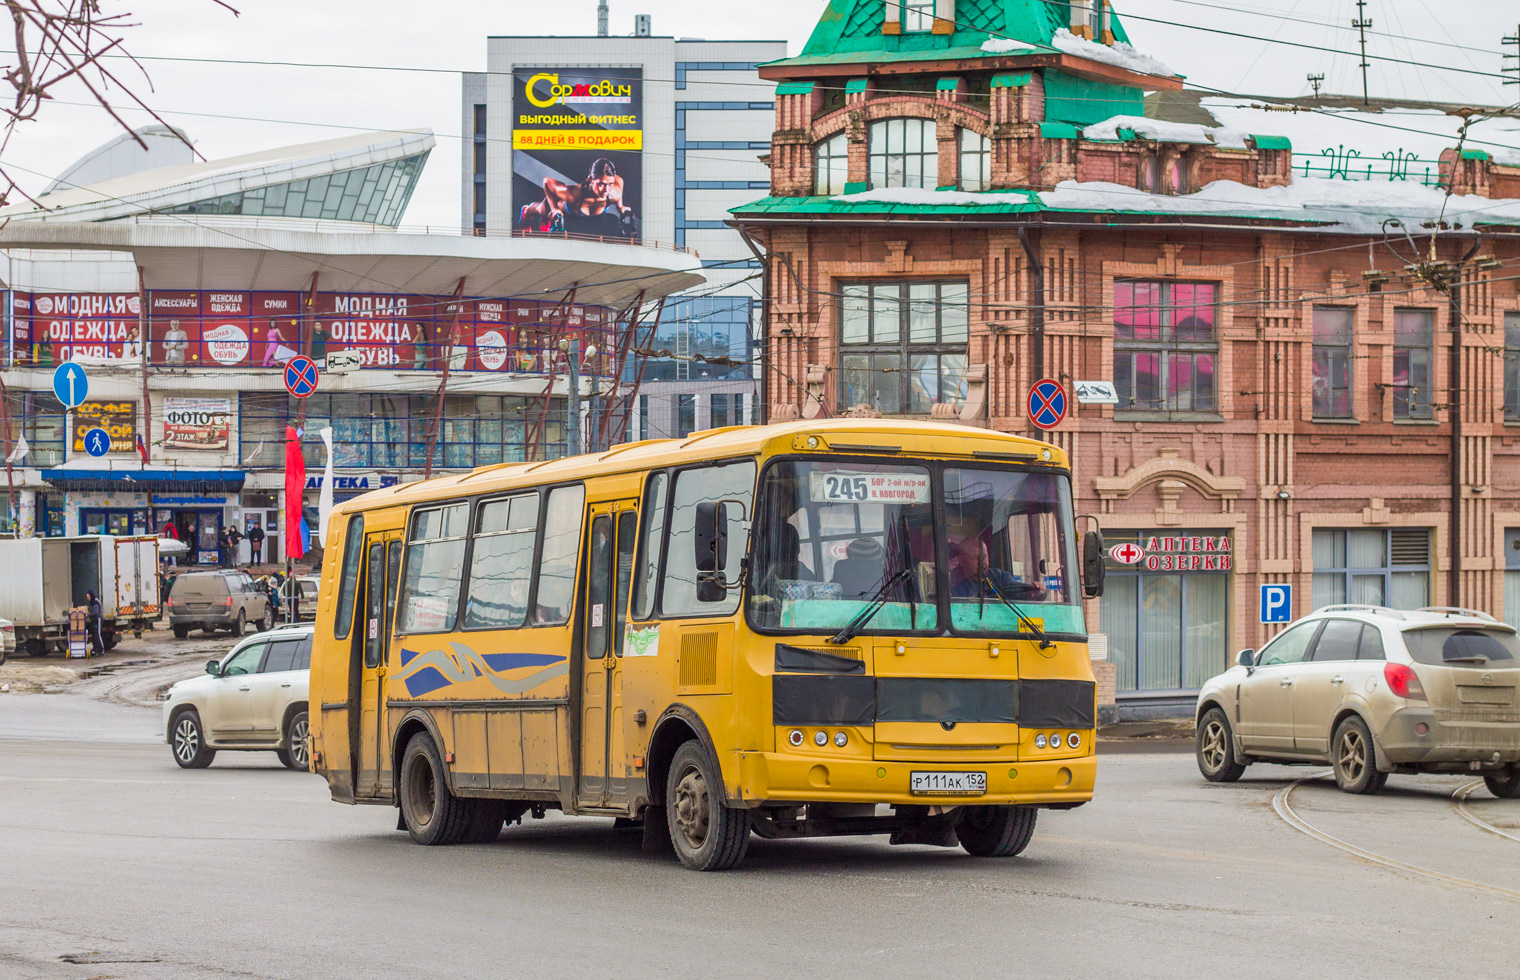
<point x="1371" y="691"/>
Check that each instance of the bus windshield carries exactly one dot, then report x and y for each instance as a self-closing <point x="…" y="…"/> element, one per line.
<point x="833" y="538"/>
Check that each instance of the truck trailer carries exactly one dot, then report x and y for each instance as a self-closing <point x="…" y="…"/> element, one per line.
<point x="44" y="578"/>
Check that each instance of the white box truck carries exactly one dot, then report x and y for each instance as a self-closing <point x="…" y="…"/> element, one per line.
<point x="44" y="578"/>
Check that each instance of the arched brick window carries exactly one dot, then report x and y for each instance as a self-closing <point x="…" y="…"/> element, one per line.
<point x="904" y="153"/>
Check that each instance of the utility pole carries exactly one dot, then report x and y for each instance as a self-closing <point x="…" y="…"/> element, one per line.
<point x="1363" y="24"/>
<point x="601" y="19"/>
<point x="1506" y="68"/>
<point x="1316" y="80"/>
<point x="573" y="403"/>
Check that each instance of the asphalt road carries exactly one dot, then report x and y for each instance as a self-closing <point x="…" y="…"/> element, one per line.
<point x="115" y="863"/>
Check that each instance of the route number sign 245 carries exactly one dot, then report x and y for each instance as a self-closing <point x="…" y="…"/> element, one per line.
<point x="841" y="487"/>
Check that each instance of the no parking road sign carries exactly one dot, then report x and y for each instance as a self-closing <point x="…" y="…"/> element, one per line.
<point x="301" y="376"/>
<point x="1047" y="404"/>
<point x="1277" y="603"/>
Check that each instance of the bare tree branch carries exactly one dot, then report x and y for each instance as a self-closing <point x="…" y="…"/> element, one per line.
<point x="58" y="42"/>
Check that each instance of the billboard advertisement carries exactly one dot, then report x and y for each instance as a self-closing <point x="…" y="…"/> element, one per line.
<point x="197" y="423"/>
<point x="577" y="139"/>
<point x="119" y="419"/>
<point x="88" y="328"/>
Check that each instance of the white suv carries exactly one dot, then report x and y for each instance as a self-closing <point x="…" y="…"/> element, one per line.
<point x="253" y="699"/>
<point x="1372" y="691"/>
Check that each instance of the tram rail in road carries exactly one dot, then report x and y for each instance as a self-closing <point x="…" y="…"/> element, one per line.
<point x="1459" y="804"/>
<point x="1281" y="802"/>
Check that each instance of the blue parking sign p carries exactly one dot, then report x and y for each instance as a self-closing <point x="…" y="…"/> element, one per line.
<point x="1276" y="603"/>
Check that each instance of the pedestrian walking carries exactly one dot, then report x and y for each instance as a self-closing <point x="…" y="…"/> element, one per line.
<point x="256" y="543"/>
<point x="93" y="614"/>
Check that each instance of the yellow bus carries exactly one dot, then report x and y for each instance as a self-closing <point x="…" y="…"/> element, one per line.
<point x="807" y="629"/>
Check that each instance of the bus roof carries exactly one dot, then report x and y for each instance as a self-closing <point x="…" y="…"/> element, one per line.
<point x="908" y="437"/>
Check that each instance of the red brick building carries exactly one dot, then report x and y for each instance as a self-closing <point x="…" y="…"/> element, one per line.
<point x="966" y="197"/>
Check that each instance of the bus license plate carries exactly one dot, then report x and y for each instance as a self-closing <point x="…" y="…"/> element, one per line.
<point x="953" y="783"/>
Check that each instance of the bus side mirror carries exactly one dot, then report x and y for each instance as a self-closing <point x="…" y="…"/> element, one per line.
<point x="711" y="544"/>
<point x="1093" y="569"/>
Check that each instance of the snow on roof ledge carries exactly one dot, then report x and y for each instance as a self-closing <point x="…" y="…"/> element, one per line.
<point x="1006" y="45"/>
<point x="1121" y="55"/>
<point x="1166" y="132"/>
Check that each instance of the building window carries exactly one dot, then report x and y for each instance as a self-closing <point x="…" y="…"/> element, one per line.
<point x="1165" y="347"/>
<point x="1511" y="574"/>
<point x="480" y="120"/>
<point x="374" y="195"/>
<point x="904" y="153"/>
<point x="480" y="158"/>
<point x="976" y="161"/>
<point x="727" y="409"/>
<point x="686" y="415"/>
<point x="902" y="345"/>
<point x="1512" y="367"/>
<point x="1167" y="616"/>
<point x="831" y="166"/>
<point x="1332" y="362"/>
<point x="917" y="16"/>
<point x="480" y="198"/>
<point x="1372" y="567"/>
<point x="1413" y="342"/>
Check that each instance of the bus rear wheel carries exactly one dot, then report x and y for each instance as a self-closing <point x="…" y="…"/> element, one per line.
<point x="996" y="831"/>
<point x="432" y="814"/>
<point x="707" y="835"/>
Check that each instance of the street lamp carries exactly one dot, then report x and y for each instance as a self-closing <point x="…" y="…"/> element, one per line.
<point x="573" y="362"/>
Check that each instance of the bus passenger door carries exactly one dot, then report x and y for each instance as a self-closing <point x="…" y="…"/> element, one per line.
<point x="382" y="561"/>
<point x="603" y="776"/>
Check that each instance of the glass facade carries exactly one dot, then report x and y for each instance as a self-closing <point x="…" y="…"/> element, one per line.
<point x="709" y="326"/>
<point x="39" y="417"/>
<point x="374" y="195"/>
<point x="390" y="431"/>
<point x="903" y="345"/>
<point x="1165" y="347"/>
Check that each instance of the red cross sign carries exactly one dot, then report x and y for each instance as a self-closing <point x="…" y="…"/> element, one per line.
<point x="1126" y="554"/>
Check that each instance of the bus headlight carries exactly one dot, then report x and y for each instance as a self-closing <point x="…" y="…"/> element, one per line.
<point x="840" y="739"/>
<point x="1055" y="740"/>
<point x="1039" y="741"/>
<point x="820" y="739"/>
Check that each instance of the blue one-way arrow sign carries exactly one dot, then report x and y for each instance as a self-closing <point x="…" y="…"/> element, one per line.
<point x="70" y="384"/>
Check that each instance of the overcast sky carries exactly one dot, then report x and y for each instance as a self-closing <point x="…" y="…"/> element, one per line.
<point x="305" y="104"/>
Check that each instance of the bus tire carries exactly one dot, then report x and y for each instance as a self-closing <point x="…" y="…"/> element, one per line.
<point x="433" y="815"/>
<point x="707" y="835"/>
<point x="996" y="831"/>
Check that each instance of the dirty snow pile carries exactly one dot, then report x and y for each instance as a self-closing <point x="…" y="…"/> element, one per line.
<point x="1121" y="55"/>
<point x="1005" y="45"/>
<point x="1358" y="206"/>
<point x="1166" y="132"/>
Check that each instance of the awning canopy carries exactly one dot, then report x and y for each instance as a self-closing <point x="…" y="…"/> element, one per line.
<point x="149" y="479"/>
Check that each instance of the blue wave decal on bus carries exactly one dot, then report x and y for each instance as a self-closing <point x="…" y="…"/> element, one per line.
<point x="426" y="671"/>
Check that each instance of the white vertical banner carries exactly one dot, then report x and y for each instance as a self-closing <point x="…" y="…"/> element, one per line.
<point x="325" y="501"/>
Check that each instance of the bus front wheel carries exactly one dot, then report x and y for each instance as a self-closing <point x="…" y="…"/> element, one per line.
<point x="433" y="815"/>
<point x="996" y="831"/>
<point x="707" y="835"/>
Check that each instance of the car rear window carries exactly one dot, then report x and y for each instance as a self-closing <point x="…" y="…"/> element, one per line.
<point x="1463" y="647"/>
<point x="199" y="585"/>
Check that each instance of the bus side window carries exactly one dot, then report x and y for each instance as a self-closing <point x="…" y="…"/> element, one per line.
<point x="561" y="550"/>
<point x="707" y="484"/>
<point x="649" y="547"/>
<point x="353" y="548"/>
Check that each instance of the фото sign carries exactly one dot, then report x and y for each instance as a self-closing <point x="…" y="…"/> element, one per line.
<point x="119" y="419"/>
<point x="577" y="137"/>
<point x="197" y="423"/>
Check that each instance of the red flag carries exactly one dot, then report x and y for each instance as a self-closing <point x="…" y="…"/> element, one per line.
<point x="295" y="489"/>
<point x="142" y="448"/>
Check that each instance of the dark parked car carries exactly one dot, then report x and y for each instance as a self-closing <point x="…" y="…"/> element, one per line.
<point x="217" y="600"/>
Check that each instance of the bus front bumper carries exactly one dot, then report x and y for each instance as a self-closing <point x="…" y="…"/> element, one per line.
<point x="770" y="777"/>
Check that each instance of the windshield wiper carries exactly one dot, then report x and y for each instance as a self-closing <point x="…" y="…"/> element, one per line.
<point x="1045" y="643"/>
<point x="854" y="626"/>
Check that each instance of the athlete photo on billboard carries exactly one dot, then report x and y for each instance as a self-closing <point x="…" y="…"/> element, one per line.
<point x="593" y="206"/>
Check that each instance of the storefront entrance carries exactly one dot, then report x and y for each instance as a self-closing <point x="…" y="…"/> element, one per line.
<point x="121" y="522"/>
<point x="200" y="529"/>
<point x="1166" y="611"/>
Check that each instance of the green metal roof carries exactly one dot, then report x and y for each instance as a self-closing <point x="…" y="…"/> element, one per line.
<point x="1019" y="202"/>
<point x="1272" y="142"/>
<point x="853" y="28"/>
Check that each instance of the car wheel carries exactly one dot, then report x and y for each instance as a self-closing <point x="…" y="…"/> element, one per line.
<point x="189" y="742"/>
<point x="109" y="639"/>
<point x="1506" y="783"/>
<point x="1352" y="754"/>
<point x="1216" y="749"/>
<point x="266" y="623"/>
<point x="707" y="835"/>
<point x="36" y="648"/>
<point x="294" y="755"/>
<point x="239" y="625"/>
<point x="996" y="831"/>
<point x="180" y="632"/>
<point x="432" y="814"/>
